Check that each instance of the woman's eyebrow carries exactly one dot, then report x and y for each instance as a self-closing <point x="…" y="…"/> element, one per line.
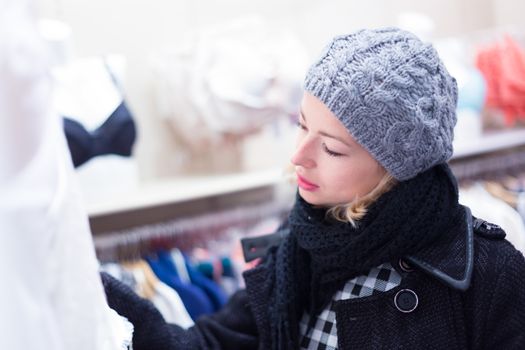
<point x="340" y="139"/>
<point x="324" y="133"/>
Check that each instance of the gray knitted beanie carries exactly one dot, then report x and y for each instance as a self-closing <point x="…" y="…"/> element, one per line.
<point x="393" y="94"/>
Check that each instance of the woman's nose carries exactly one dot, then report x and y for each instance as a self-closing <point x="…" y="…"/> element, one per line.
<point x="303" y="155"/>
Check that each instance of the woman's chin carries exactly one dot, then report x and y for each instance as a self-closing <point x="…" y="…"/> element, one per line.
<point x="311" y="197"/>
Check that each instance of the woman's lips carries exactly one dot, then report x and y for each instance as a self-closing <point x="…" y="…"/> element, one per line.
<point x="305" y="185"/>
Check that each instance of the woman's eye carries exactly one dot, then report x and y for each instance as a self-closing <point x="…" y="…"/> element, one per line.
<point x="331" y="153"/>
<point x="301" y="126"/>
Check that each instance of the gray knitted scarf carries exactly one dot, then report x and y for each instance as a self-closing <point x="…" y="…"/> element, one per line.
<point x="320" y="254"/>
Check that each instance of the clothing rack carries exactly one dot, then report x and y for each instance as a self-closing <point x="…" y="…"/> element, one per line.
<point x="188" y="224"/>
<point x="184" y="233"/>
<point x="489" y="166"/>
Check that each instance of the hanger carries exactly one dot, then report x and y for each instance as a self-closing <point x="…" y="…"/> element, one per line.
<point x="145" y="288"/>
<point x="180" y="265"/>
<point x="499" y="191"/>
<point x="151" y="278"/>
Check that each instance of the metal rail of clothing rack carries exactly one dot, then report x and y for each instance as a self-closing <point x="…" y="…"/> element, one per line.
<point x="183" y="233"/>
<point x="492" y="156"/>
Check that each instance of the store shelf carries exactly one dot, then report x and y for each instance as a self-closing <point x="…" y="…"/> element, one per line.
<point x="490" y="143"/>
<point x="180" y="190"/>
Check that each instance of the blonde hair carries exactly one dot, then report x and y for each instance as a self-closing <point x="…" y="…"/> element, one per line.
<point x="355" y="210"/>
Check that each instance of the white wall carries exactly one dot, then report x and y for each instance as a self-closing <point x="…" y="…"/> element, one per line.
<point x="135" y="27"/>
<point x="509" y="12"/>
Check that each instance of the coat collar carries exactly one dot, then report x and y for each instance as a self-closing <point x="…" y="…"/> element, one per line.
<point x="450" y="261"/>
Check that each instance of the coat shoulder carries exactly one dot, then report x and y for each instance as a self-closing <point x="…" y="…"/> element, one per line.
<point x="493" y="254"/>
<point x="496" y="296"/>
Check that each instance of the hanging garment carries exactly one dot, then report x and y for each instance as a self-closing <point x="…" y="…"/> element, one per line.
<point x="180" y="265"/>
<point x="97" y="120"/>
<point x="231" y="79"/>
<point x="212" y="289"/>
<point x="503" y="66"/>
<point x="486" y="206"/>
<point x="521" y="205"/>
<point x="165" y="299"/>
<point x="171" y="306"/>
<point x="115" y="136"/>
<point x="120" y="273"/>
<point x="123" y="330"/>
<point x="220" y="271"/>
<point x="52" y="297"/>
<point x="195" y="300"/>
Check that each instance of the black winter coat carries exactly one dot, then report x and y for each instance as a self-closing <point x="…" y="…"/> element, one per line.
<point x="468" y="293"/>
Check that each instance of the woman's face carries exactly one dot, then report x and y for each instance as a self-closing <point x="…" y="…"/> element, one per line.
<point x="331" y="167"/>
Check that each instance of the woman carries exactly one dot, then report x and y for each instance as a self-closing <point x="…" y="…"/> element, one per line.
<point x="379" y="253"/>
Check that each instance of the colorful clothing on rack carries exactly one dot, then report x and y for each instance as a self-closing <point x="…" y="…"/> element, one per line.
<point x="213" y="290"/>
<point x="503" y="66"/>
<point x="195" y="299"/>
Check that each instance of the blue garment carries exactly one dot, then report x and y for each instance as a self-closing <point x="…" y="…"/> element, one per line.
<point x="195" y="300"/>
<point x="216" y="295"/>
<point x="206" y="268"/>
<point x="227" y="267"/>
<point x="213" y="290"/>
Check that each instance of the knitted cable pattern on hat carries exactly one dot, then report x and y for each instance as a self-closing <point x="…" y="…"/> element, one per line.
<point x="393" y="94"/>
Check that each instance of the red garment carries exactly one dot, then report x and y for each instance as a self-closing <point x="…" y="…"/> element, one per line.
<point x="503" y="65"/>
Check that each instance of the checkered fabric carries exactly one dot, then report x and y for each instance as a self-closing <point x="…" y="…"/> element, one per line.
<point x="323" y="336"/>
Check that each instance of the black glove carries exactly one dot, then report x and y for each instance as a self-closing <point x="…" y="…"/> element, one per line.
<point x="151" y="332"/>
<point x="233" y="327"/>
<point x="127" y="303"/>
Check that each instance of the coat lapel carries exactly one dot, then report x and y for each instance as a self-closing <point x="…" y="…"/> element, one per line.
<point x="450" y="261"/>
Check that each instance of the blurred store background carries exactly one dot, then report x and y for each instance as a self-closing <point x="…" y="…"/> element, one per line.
<point x="212" y="87"/>
<point x="180" y="118"/>
<point x="170" y="105"/>
<point x="205" y="89"/>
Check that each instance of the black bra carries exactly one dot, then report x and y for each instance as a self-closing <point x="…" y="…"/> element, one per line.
<point x="115" y="136"/>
